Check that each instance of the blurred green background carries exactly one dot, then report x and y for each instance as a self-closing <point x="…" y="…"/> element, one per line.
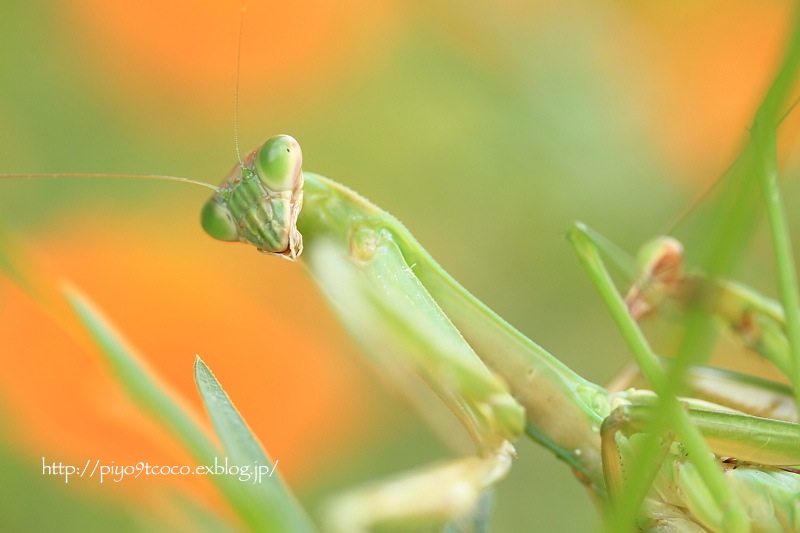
<point x="487" y="127"/>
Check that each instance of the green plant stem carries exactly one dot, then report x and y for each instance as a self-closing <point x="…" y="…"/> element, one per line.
<point x="763" y="134"/>
<point x="675" y="417"/>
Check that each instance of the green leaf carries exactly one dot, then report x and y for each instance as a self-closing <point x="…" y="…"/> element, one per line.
<point x="260" y="482"/>
<point x="138" y="380"/>
<point x="154" y="397"/>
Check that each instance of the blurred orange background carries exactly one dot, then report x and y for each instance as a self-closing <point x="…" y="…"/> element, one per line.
<point x="534" y="113"/>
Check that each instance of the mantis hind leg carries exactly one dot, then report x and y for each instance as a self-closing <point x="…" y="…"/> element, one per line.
<point x="758" y="447"/>
<point x="666" y="385"/>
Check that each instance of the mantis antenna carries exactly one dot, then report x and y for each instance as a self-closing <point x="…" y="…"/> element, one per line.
<point x="157" y="176"/>
<point x="236" y="90"/>
<point x="706" y="191"/>
<point x="105" y="176"/>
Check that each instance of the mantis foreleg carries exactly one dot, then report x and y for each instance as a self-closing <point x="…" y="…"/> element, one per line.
<point x="756" y="443"/>
<point x="673" y="415"/>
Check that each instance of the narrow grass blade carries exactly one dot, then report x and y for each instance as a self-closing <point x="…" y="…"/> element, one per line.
<point x="23" y="268"/>
<point x="764" y="137"/>
<point x="139" y="381"/>
<point x="14" y="262"/>
<point x="155" y="398"/>
<point x="260" y="484"/>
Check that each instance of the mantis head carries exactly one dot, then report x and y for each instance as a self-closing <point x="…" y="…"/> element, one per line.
<point x="259" y="201"/>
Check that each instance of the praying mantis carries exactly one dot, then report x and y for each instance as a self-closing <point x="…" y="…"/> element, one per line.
<point x="394" y="298"/>
<point x="369" y="264"/>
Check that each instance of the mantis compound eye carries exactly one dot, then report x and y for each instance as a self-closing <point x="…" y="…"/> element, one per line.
<point x="278" y="162"/>
<point x="260" y="200"/>
<point x="662" y="260"/>
<point x="218" y="222"/>
<point x="661" y="264"/>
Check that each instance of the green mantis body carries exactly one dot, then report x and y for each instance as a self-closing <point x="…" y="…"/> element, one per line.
<point x="409" y="312"/>
<point x="413" y="316"/>
<point x="395" y="299"/>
